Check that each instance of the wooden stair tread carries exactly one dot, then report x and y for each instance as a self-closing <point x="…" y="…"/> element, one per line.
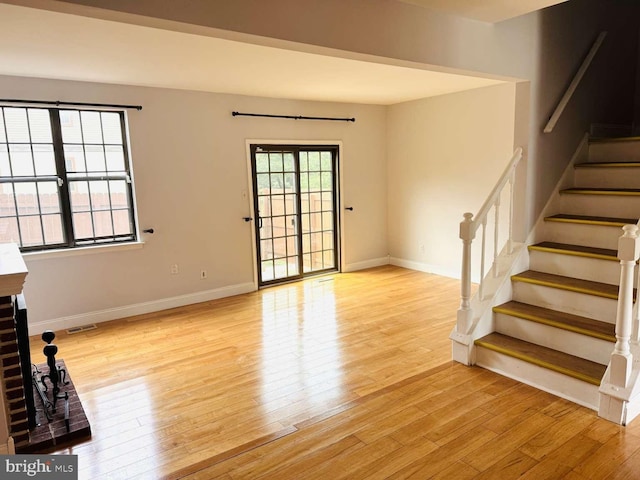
<point x="573" y="366"/>
<point x="607" y="165"/>
<point x="565" y="321"/>
<point x="578" y="250"/>
<point x="614" y="139"/>
<point x="601" y="191"/>
<point x="568" y="283"/>
<point x="591" y="220"/>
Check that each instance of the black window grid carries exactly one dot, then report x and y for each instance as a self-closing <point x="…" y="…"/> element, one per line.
<point x="65" y="207"/>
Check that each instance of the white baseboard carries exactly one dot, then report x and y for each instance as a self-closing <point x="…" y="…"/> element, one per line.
<point x="374" y="262"/>
<point x="99" y="316"/>
<point x="425" y="267"/>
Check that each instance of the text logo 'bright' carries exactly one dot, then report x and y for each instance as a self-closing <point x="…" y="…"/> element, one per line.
<point x="51" y="467"/>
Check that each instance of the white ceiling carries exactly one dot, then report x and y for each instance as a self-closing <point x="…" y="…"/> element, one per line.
<point x="46" y="44"/>
<point x="486" y="10"/>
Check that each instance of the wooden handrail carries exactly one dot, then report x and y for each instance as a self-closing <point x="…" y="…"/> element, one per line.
<point x="494" y="196"/>
<point x="574" y="83"/>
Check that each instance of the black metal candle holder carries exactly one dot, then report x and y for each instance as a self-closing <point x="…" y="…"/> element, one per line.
<point x="56" y="376"/>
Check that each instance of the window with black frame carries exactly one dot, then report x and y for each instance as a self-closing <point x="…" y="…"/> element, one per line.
<point x="65" y="178"/>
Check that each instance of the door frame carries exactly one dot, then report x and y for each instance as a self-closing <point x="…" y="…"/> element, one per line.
<point x="248" y="195"/>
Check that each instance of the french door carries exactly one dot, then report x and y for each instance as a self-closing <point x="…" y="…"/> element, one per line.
<point x="295" y="203"/>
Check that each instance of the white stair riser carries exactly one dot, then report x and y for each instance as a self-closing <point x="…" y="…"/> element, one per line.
<point x="607" y="177"/>
<point x="580" y="234"/>
<point x="600" y="205"/>
<point x="614" y="152"/>
<point x="573" y="343"/>
<point x="585" y="268"/>
<point x="590" y="306"/>
<point x="570" y="388"/>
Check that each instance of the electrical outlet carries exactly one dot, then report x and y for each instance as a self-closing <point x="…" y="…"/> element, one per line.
<point x="174" y="269"/>
<point x="203" y="274"/>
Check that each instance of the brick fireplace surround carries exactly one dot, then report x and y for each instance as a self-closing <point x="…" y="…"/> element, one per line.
<point x="14" y="429"/>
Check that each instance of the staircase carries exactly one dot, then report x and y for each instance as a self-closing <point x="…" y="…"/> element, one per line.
<point x="558" y="331"/>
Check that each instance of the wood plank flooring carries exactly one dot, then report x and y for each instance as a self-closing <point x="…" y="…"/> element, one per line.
<point x="344" y="376"/>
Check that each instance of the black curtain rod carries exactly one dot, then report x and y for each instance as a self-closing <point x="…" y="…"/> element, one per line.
<point x="294" y="117"/>
<point x="58" y="103"/>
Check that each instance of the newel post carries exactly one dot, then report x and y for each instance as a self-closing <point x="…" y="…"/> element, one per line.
<point x="465" y="314"/>
<point x="621" y="358"/>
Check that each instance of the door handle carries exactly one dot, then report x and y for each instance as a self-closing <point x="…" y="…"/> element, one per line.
<point x="247" y="219"/>
<point x="259" y="222"/>
<point x="349" y="208"/>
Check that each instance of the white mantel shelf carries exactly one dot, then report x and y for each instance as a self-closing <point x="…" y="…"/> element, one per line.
<point x="13" y="270"/>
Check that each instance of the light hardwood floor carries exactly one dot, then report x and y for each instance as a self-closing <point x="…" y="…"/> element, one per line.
<point x="344" y="376"/>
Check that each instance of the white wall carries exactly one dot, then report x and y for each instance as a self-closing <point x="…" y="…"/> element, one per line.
<point x="444" y="156"/>
<point x="544" y="47"/>
<point x="190" y="168"/>
<point x="189" y="152"/>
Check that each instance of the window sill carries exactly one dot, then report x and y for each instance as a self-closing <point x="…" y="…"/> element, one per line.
<point x="71" y="252"/>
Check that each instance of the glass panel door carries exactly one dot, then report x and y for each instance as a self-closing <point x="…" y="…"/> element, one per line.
<point x="295" y="199"/>
<point x="275" y="192"/>
<point x="317" y="187"/>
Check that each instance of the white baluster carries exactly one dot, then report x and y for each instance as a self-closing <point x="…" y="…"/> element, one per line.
<point x="483" y="256"/>
<point x="621" y="358"/>
<point x="511" y="182"/>
<point x="467" y="235"/>
<point x="635" y="337"/>
<point x="496" y="234"/>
